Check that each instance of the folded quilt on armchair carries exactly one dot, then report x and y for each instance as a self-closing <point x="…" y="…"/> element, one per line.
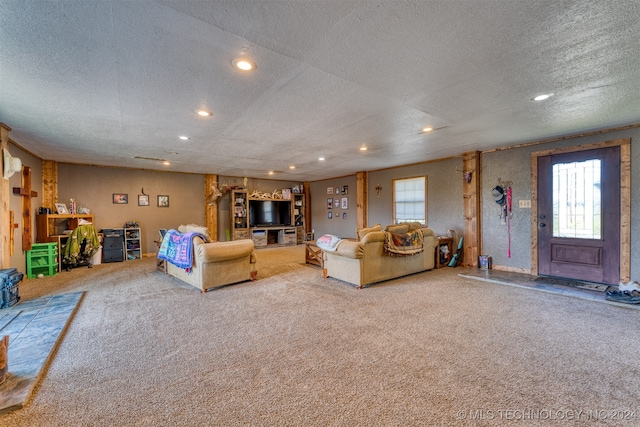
<point x="177" y="248"/>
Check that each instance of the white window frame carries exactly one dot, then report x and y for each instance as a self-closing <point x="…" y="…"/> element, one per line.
<point x="394" y="203"/>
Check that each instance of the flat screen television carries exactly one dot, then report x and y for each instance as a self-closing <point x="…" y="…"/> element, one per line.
<point x="264" y="213"/>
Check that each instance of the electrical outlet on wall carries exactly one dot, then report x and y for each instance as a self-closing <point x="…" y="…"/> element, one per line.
<point x="524" y="204"/>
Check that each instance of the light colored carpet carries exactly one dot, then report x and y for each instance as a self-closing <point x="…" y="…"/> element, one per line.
<point x="295" y="349"/>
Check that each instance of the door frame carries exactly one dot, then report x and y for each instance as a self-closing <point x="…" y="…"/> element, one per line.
<point x="625" y="200"/>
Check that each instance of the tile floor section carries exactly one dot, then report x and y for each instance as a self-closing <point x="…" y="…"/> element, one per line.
<point x="35" y="329"/>
<point x="527" y="281"/>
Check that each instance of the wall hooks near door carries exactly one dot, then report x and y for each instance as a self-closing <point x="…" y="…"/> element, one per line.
<point x="504" y="184"/>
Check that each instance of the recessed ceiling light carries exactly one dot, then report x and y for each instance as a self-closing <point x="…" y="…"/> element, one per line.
<point x="292" y="167"/>
<point x="427" y="129"/>
<point x="271" y="172"/>
<point x="542" y="97"/>
<point x="321" y="159"/>
<point x="204" y="113"/>
<point x="363" y="148"/>
<point x="184" y="138"/>
<point x="244" y="64"/>
<point x="166" y="163"/>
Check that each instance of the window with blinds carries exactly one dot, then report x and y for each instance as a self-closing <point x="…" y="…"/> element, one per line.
<point x="410" y="200"/>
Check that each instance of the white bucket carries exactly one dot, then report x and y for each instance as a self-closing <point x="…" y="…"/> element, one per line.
<point x="97" y="257"/>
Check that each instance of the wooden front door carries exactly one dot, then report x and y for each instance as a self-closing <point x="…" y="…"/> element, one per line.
<point x="579" y="215"/>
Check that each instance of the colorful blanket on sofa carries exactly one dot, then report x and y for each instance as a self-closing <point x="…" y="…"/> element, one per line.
<point x="404" y="244"/>
<point x="177" y="248"/>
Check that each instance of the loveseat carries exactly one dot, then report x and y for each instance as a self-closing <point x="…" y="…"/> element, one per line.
<point x="217" y="264"/>
<point x="366" y="261"/>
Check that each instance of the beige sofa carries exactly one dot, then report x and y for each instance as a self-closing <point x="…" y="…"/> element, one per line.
<point x="218" y="263"/>
<point x="365" y="262"/>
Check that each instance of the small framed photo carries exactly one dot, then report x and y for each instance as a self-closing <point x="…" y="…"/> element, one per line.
<point x="120" y="198"/>
<point x="330" y="215"/>
<point x="345" y="190"/>
<point x="286" y="193"/>
<point x="344" y="215"/>
<point x="337" y="190"/>
<point x="329" y="203"/>
<point x="163" y="201"/>
<point x="61" y="209"/>
<point x="143" y="200"/>
<point x="329" y="190"/>
<point x="345" y="203"/>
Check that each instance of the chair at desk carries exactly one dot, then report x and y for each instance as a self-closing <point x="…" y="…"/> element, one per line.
<point x="82" y="244"/>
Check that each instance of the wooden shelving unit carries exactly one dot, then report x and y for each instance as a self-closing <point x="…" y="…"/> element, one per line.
<point x="444" y="251"/>
<point x="47" y="225"/>
<point x="133" y="249"/>
<point x="239" y="214"/>
<point x="299" y="217"/>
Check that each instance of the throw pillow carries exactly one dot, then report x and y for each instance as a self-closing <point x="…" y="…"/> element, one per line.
<point x="398" y="228"/>
<point x="195" y="228"/>
<point x="361" y="232"/>
<point x="328" y="242"/>
<point x="198" y="229"/>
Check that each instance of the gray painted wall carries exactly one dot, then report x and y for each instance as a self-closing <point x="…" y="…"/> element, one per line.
<point x="515" y="165"/>
<point x="93" y="187"/>
<point x="338" y="225"/>
<point x="444" y="194"/>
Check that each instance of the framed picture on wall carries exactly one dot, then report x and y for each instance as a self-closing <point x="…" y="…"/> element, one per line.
<point x="345" y="203"/>
<point x="163" y="201"/>
<point x="329" y="190"/>
<point x="329" y="203"/>
<point x="337" y="190"/>
<point x="143" y="200"/>
<point x="330" y="215"/>
<point x="120" y="198"/>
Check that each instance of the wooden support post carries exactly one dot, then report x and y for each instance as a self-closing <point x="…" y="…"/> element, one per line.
<point x="362" y="199"/>
<point x="306" y="189"/>
<point x="211" y="206"/>
<point x="49" y="191"/>
<point x="472" y="218"/>
<point x="26" y="193"/>
<point x="12" y="227"/>
<point x="5" y="250"/>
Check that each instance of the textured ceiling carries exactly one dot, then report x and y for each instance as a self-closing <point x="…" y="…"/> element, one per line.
<point x="104" y="82"/>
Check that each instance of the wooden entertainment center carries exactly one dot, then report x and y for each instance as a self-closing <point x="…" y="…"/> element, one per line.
<point x="284" y="219"/>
